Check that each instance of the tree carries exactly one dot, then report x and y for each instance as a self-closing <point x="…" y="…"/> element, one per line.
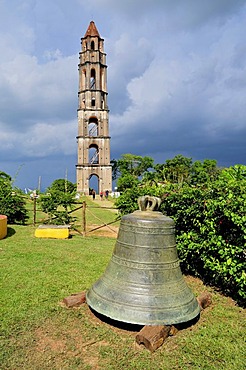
<point x="149" y="179"/>
<point x="62" y="185"/>
<point x="129" y="168"/>
<point x="160" y="173"/>
<point x="133" y="164"/>
<point x="126" y="181"/>
<point x="177" y="170"/>
<point x="58" y="201"/>
<point x="203" y="172"/>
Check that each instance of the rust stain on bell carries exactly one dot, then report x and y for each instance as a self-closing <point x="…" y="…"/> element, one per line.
<point x="143" y="283"/>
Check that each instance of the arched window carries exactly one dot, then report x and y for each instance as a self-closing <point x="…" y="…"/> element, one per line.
<point x="93" y="102"/>
<point x="93" y="154"/>
<point x="92" y="45"/>
<point x="93" y="127"/>
<point x="93" y="79"/>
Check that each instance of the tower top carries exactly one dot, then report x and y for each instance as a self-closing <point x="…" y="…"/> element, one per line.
<point x="92" y="30"/>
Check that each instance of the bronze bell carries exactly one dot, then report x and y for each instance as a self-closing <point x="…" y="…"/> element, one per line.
<point x="143" y="283"/>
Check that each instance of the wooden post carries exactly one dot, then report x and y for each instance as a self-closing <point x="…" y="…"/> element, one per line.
<point x="34" y="209"/>
<point x="152" y="337"/>
<point x="83" y="219"/>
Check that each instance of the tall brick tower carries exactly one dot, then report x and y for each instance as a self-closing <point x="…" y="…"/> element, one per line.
<point x="93" y="115"/>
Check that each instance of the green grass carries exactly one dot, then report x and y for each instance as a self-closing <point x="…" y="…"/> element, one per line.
<point x="96" y="215"/>
<point x="38" y="333"/>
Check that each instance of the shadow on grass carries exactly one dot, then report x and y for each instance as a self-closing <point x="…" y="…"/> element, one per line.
<point x="10" y="232"/>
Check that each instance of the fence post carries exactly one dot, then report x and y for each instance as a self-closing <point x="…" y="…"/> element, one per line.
<point x="83" y="218"/>
<point x="34" y="210"/>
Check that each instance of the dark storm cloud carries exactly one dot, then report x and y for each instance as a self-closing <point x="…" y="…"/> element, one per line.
<point x="190" y="98"/>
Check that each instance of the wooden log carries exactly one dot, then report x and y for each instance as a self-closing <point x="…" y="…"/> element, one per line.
<point x="152" y="337"/>
<point x="75" y="300"/>
<point x="204" y="300"/>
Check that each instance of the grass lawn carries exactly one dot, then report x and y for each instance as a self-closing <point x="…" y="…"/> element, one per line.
<point x="38" y="333"/>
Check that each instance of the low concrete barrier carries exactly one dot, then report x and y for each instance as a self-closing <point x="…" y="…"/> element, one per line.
<point x="53" y="231"/>
<point x="3" y="226"/>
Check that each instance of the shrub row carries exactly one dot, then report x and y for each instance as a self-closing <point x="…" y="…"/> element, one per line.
<point x="210" y="226"/>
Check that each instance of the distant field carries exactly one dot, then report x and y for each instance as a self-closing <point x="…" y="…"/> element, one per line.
<point x="38" y="333"/>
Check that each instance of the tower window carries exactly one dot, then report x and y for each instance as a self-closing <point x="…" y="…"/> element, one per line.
<point x="93" y="154"/>
<point x="93" y="102"/>
<point x="92" y="45"/>
<point x="93" y="79"/>
<point x="93" y="126"/>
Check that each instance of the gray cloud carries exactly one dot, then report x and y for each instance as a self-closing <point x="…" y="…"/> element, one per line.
<point x="188" y="99"/>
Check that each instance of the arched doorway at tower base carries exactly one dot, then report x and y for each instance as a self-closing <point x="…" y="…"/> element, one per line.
<point x="94" y="183"/>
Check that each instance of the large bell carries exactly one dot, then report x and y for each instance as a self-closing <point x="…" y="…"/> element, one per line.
<point x="143" y="283"/>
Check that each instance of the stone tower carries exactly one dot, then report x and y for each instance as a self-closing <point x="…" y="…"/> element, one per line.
<point x="93" y="124"/>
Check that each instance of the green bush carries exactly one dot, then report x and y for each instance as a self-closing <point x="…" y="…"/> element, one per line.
<point x="127" y="202"/>
<point x="210" y="227"/>
<point x="12" y="202"/>
<point x="211" y="233"/>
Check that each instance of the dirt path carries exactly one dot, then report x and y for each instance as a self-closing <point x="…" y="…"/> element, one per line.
<point x="104" y="203"/>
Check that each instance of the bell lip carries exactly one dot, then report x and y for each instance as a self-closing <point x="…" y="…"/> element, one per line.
<point x="182" y="319"/>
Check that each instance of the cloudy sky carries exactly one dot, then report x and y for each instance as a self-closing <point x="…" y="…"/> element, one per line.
<point x="176" y="81"/>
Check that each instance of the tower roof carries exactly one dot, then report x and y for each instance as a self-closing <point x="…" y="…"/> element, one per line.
<point x="92" y="30"/>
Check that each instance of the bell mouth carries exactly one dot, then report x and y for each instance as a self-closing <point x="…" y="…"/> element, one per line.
<point x="137" y="327"/>
<point x="117" y="324"/>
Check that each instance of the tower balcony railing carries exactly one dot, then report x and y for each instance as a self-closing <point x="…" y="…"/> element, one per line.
<point x="94" y="158"/>
<point x="93" y="130"/>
